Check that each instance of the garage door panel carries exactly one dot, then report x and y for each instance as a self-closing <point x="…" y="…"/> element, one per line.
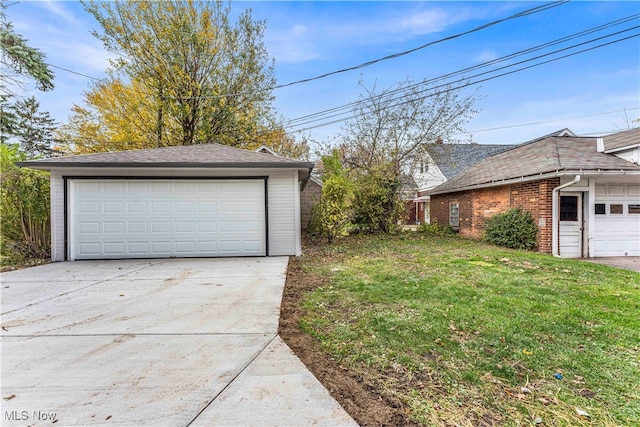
<point x="157" y="218"/>
<point x="617" y="234"/>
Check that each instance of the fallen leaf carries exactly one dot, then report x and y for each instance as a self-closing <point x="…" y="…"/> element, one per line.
<point x="527" y="352"/>
<point x="582" y="413"/>
<point x="525" y="390"/>
<point x="544" y="401"/>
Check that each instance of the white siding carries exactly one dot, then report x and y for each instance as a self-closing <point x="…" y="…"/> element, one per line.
<point x="282" y="215"/>
<point x="283" y="191"/>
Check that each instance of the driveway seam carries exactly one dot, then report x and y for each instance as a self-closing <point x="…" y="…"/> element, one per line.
<point x="232" y="381"/>
<point x="77" y="289"/>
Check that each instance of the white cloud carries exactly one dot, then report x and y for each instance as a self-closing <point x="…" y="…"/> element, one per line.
<point x="57" y="9"/>
<point x="426" y="22"/>
<point x="485" y="56"/>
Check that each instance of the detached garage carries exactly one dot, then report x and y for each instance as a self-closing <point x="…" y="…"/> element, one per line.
<point x="205" y="200"/>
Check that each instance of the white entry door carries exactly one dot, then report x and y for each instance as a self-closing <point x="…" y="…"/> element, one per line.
<point x="160" y="218"/>
<point x="571" y="225"/>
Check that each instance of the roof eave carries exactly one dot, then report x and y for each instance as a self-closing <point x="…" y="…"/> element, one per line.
<point x="529" y="178"/>
<point x="169" y="165"/>
<point x="626" y="147"/>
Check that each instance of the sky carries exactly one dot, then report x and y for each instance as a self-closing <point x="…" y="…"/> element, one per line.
<point x="592" y="93"/>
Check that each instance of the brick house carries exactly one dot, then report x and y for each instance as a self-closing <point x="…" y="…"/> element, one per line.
<point x="584" y="193"/>
<point x="438" y="163"/>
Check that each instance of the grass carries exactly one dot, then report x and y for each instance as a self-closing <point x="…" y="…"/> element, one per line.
<point x="466" y="333"/>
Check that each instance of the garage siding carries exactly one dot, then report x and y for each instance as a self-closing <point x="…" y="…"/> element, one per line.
<point x="283" y="225"/>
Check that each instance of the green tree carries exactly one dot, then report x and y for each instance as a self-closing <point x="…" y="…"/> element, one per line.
<point x="19" y="59"/>
<point x="331" y="215"/>
<point x="24" y="209"/>
<point x="185" y="74"/>
<point x="34" y="129"/>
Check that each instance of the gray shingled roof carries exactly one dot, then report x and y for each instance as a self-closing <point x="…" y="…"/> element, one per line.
<point x="552" y="156"/>
<point x="184" y="156"/>
<point x="623" y="139"/>
<point x="453" y="159"/>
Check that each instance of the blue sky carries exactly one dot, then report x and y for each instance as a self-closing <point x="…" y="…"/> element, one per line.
<point x="586" y="93"/>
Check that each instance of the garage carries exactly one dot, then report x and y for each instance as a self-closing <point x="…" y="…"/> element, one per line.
<point x="207" y="200"/>
<point x="616" y="220"/>
<point x="152" y="218"/>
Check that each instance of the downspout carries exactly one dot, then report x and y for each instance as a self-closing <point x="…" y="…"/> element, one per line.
<point x="554" y="215"/>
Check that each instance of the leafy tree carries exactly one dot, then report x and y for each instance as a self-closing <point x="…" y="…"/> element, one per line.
<point x="21" y="59"/>
<point x="331" y="215"/>
<point x="33" y="128"/>
<point x="185" y="74"/>
<point x="24" y="209"/>
<point x="390" y="130"/>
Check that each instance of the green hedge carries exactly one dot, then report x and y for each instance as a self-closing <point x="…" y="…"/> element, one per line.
<point x="514" y="228"/>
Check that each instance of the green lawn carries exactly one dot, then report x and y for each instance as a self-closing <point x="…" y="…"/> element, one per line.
<point x="470" y="334"/>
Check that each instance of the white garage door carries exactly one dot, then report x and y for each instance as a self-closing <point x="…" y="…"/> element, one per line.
<point x="156" y="218"/>
<point x="617" y="220"/>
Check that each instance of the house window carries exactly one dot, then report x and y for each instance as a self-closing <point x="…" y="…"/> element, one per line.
<point x="615" y="209"/>
<point x="454" y="215"/>
<point x="601" y="209"/>
<point x="424" y="167"/>
<point x="568" y="208"/>
<point x="634" y="209"/>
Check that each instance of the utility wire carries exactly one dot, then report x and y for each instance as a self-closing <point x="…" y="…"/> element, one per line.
<point x="546" y="121"/>
<point x="526" y="12"/>
<point x="531" y="11"/>
<point x="75" y="72"/>
<point x="349" y="106"/>
<point x="469" y="83"/>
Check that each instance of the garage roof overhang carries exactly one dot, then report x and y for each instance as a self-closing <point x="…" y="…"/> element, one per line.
<point x="530" y="178"/>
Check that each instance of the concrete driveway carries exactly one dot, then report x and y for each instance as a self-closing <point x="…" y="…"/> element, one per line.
<point x="153" y="342"/>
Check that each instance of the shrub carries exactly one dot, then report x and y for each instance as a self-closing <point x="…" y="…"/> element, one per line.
<point x="514" y="228"/>
<point x="330" y="216"/>
<point x="435" y="229"/>
<point x="377" y="207"/>
<point x="24" y="209"/>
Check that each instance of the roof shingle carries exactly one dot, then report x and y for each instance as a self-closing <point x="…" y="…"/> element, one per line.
<point x="188" y="156"/>
<point x="551" y="155"/>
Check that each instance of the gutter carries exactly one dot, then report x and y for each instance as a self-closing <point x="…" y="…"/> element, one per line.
<point x="529" y="178"/>
<point x="555" y="222"/>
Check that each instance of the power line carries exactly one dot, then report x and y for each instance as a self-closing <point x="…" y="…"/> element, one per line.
<point x="546" y="121"/>
<point x="531" y="11"/>
<point x="467" y="84"/>
<point x="349" y="106"/>
<point x="75" y="72"/>
<point x="526" y="12"/>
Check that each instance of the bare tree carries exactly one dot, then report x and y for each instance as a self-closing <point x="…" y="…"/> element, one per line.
<point x="390" y="131"/>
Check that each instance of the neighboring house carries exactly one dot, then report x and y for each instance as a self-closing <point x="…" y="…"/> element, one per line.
<point x="584" y="193"/>
<point x="440" y="163"/>
<point x="206" y="200"/>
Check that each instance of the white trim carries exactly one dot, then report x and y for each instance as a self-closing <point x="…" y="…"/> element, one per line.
<point x="296" y="202"/>
<point x="555" y="226"/>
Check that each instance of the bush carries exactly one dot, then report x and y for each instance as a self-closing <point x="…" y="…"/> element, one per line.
<point x="330" y="216"/>
<point x="435" y="229"/>
<point x="24" y="209"/>
<point x="377" y="206"/>
<point x="514" y="228"/>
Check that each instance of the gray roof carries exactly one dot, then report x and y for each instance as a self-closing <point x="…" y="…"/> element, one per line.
<point x="551" y="156"/>
<point x="617" y="141"/>
<point x="184" y="156"/>
<point x="453" y="159"/>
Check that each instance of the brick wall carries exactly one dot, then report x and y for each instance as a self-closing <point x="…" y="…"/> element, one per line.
<point x="476" y="206"/>
<point x="308" y="197"/>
